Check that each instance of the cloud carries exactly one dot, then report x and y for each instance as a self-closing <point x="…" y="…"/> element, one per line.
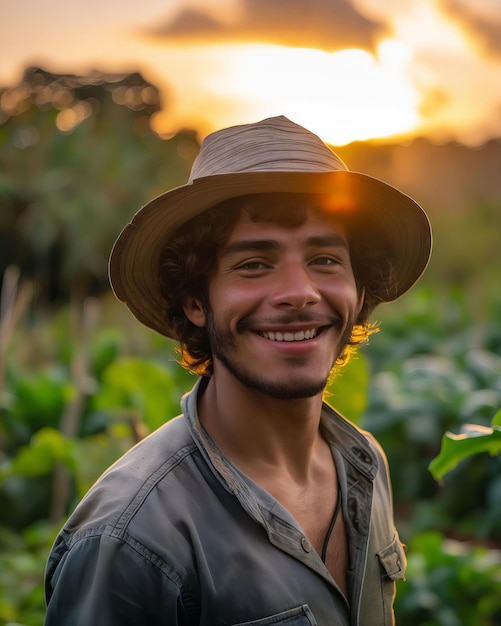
<point x="480" y="20"/>
<point x="325" y="24"/>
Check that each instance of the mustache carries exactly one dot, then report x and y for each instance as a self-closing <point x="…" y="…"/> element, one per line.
<point x="288" y="318"/>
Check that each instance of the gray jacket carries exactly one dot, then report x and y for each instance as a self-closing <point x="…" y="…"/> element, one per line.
<point x="174" y="534"/>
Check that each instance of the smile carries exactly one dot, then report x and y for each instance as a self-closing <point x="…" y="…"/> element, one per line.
<point x="300" y="335"/>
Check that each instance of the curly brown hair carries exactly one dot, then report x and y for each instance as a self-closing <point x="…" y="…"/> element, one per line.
<point x="189" y="259"/>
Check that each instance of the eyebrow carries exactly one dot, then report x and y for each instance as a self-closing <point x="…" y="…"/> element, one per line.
<point x="327" y="241"/>
<point x="264" y="245"/>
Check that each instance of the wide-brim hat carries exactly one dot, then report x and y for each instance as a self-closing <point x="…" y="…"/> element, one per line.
<point x="274" y="155"/>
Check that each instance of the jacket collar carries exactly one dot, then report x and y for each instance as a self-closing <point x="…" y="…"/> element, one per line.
<point x="354" y="444"/>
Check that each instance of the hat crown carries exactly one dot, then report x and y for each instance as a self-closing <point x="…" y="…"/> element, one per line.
<point x="273" y="145"/>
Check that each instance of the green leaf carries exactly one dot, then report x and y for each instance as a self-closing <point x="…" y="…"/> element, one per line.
<point x="473" y="439"/>
<point x="143" y="387"/>
<point x="347" y="391"/>
<point x="47" y="447"/>
<point x="40" y="399"/>
<point x="496" y="420"/>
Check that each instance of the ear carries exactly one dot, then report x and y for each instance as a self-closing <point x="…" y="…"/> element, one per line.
<point x="194" y="311"/>
<point x="360" y="302"/>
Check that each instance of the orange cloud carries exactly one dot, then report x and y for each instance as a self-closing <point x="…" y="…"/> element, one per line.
<point x="325" y="24"/>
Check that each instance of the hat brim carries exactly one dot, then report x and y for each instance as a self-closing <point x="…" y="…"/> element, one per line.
<point x="380" y="211"/>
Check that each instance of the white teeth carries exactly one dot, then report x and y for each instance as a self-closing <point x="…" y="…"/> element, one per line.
<point x="300" y="335"/>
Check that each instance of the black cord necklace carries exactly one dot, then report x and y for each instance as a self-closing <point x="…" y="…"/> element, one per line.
<point x="331" y="526"/>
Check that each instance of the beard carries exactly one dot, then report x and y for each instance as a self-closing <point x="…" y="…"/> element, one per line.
<point x="224" y="347"/>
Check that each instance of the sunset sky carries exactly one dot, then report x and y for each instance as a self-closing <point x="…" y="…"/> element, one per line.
<point x="346" y="69"/>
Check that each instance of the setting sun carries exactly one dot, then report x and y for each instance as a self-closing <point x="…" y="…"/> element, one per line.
<point x="342" y="96"/>
<point x="347" y="70"/>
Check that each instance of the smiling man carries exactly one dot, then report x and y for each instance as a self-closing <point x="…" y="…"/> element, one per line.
<point x="260" y="504"/>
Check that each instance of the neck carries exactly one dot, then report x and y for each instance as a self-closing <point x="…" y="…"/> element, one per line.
<point x="260" y="433"/>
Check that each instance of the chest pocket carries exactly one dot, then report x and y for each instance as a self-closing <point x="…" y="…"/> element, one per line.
<point x="393" y="562"/>
<point x="300" y="616"/>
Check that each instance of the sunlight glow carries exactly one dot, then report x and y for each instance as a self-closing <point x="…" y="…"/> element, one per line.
<point x="394" y="54"/>
<point x="437" y="77"/>
<point x="343" y="96"/>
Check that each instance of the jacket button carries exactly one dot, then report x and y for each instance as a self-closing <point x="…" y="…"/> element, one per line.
<point x="305" y="544"/>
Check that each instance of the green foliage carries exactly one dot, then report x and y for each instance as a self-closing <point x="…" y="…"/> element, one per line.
<point x="35" y="400"/>
<point x="449" y="584"/>
<point x="472" y="440"/>
<point x="22" y="563"/>
<point x="435" y="369"/>
<point x="46" y="448"/>
<point x="92" y="160"/>
<point x="347" y="391"/>
<point x="147" y="389"/>
<point x="91" y="419"/>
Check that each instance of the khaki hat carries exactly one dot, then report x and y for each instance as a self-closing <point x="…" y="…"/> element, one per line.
<point x="274" y="155"/>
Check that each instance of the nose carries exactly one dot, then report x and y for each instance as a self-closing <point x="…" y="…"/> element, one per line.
<point x="294" y="288"/>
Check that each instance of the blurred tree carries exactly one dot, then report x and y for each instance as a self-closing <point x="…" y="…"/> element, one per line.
<point x="77" y="159"/>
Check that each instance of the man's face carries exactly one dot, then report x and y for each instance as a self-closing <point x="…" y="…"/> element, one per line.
<point x="283" y="301"/>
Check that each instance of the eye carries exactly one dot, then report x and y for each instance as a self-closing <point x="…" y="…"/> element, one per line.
<point x="326" y="260"/>
<point x="252" y="266"/>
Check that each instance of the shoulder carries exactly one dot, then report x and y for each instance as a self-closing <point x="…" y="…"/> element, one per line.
<point x="122" y="530"/>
